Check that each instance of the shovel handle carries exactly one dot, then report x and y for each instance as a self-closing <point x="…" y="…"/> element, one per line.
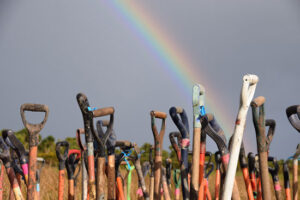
<point x="248" y="89"/>
<point x="158" y="114"/>
<point x="34" y="129"/>
<point x="103" y="112"/>
<point x="251" y="78"/>
<point x="62" y="157"/>
<point x="181" y="123"/>
<point x="105" y="122"/>
<point x="293" y="110"/>
<point x="258" y="101"/>
<point x="124" y="144"/>
<point x="158" y="137"/>
<point x="198" y="95"/>
<point x="179" y="110"/>
<point x="293" y="114"/>
<point x="271" y="123"/>
<point x="75" y="151"/>
<point x="17" y="145"/>
<point x="297" y="153"/>
<point x="78" y="138"/>
<point x="174" y="144"/>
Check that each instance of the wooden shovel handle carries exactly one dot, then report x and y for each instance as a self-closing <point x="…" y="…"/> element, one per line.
<point x="103" y="112"/>
<point x="258" y="101"/>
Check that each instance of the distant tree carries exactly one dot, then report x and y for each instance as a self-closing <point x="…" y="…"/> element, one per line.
<point x="173" y="157"/>
<point x="22" y="135"/>
<point x="145" y="150"/>
<point x="72" y="143"/>
<point x="47" y="145"/>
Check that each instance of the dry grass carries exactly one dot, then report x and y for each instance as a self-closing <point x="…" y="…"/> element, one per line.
<point x="49" y="185"/>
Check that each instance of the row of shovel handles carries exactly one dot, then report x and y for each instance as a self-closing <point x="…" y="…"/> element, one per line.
<point x="15" y="178"/>
<point x="247" y="93"/>
<point x="29" y="168"/>
<point x="230" y="188"/>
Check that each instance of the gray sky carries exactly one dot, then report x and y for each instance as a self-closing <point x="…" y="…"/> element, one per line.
<point x="51" y="50"/>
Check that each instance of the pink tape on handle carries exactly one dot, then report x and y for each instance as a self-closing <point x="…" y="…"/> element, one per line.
<point x="277" y="187"/>
<point x="177" y="191"/>
<point x="25" y="168"/>
<point x="185" y="142"/>
<point x="225" y="159"/>
<point x="139" y="192"/>
<point x="161" y="191"/>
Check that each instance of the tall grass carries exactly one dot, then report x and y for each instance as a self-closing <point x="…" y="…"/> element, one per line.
<point x="49" y="185"/>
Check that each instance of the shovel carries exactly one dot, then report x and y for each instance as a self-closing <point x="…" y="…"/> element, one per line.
<point x="286" y="181"/>
<point x="274" y="173"/>
<point x="158" y="141"/>
<point x="33" y="131"/>
<point x="183" y="126"/>
<point x="176" y="144"/>
<point x="11" y="140"/>
<point x="258" y="114"/>
<point x="84" y="179"/>
<point x="198" y="111"/>
<point x="6" y="160"/>
<point x="107" y="139"/>
<point x="72" y="161"/>
<point x="293" y="113"/>
<point x="61" y="166"/>
<point x="248" y="89"/>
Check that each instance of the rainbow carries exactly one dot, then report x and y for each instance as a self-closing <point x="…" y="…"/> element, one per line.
<point x="172" y="59"/>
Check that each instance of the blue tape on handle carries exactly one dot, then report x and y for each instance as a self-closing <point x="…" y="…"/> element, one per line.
<point x="37" y="187"/>
<point x="202" y="110"/>
<point x="126" y="156"/>
<point x="92" y="109"/>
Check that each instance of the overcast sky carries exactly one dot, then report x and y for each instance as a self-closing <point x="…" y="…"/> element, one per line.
<point x="51" y="50"/>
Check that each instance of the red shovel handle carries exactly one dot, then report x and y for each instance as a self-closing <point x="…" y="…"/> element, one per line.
<point x="75" y="151"/>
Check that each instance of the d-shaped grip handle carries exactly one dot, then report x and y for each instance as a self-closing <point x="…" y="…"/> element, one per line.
<point x="103" y="112"/>
<point x="158" y="114"/>
<point x="248" y="88"/>
<point x="78" y="138"/>
<point x="75" y="151"/>
<point x="62" y="157"/>
<point x="251" y="78"/>
<point x="34" y="129"/>
<point x="293" y="114"/>
<point x="271" y="123"/>
<point x="124" y="144"/>
<point x="258" y="101"/>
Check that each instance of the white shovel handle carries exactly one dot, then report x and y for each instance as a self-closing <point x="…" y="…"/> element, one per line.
<point x="248" y="89"/>
<point x="247" y="93"/>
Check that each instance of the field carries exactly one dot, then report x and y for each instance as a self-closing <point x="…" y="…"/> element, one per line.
<point x="49" y="185"/>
